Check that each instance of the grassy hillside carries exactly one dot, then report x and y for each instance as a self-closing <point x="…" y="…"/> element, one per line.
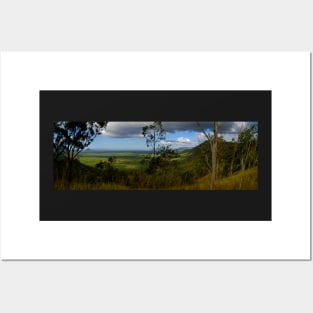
<point x="242" y="180"/>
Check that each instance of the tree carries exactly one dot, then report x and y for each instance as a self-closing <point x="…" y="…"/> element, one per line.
<point x="214" y="155"/>
<point x="234" y="152"/>
<point x="71" y="138"/>
<point x="248" y="141"/>
<point x="107" y="171"/>
<point x="166" y="152"/>
<point x="213" y="140"/>
<point x="154" y="133"/>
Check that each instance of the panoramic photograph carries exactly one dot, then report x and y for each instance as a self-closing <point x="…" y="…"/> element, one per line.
<point x="155" y="155"/>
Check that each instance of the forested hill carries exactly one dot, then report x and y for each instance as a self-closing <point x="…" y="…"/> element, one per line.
<point x="231" y="156"/>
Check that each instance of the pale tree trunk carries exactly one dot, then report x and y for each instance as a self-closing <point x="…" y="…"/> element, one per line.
<point x="214" y="157"/>
<point x="154" y="139"/>
<point x="233" y="159"/>
<point x="243" y="164"/>
<point x="244" y="158"/>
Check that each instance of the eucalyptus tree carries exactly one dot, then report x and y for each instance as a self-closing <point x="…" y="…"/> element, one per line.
<point x="154" y="133"/>
<point x="213" y="140"/>
<point x="71" y="137"/>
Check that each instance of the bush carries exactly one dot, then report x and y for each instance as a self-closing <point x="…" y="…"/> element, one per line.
<point x="188" y="177"/>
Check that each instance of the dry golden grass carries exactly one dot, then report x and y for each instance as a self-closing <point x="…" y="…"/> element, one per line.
<point x="243" y="180"/>
<point x="59" y="185"/>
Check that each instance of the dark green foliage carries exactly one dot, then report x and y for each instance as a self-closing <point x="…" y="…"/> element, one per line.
<point x="107" y="172"/>
<point x="248" y="143"/>
<point x="79" y="173"/>
<point x="71" y="138"/>
<point x="167" y="153"/>
<point x="188" y="177"/>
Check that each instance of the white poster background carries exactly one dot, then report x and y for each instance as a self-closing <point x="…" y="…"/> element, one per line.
<point x="24" y="74"/>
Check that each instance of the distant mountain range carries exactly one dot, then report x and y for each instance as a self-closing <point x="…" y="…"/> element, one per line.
<point x="108" y="150"/>
<point x="88" y="150"/>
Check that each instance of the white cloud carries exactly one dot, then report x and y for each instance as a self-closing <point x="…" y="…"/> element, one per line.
<point x="200" y="137"/>
<point x="183" y="140"/>
<point x="166" y="142"/>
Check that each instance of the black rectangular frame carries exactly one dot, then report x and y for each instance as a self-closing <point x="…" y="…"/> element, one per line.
<point x="153" y="205"/>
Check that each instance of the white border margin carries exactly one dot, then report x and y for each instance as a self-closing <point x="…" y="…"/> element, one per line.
<point x="287" y="74"/>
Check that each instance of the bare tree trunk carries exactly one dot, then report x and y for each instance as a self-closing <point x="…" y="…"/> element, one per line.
<point x="233" y="159"/>
<point x="154" y="139"/>
<point x="214" y="157"/>
<point x="243" y="165"/>
<point x="244" y="158"/>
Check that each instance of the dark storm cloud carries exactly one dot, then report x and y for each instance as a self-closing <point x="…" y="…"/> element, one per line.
<point x="223" y="127"/>
<point x="125" y="129"/>
<point x="134" y="129"/>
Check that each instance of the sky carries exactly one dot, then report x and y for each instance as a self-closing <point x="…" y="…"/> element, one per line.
<point x="126" y="136"/>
